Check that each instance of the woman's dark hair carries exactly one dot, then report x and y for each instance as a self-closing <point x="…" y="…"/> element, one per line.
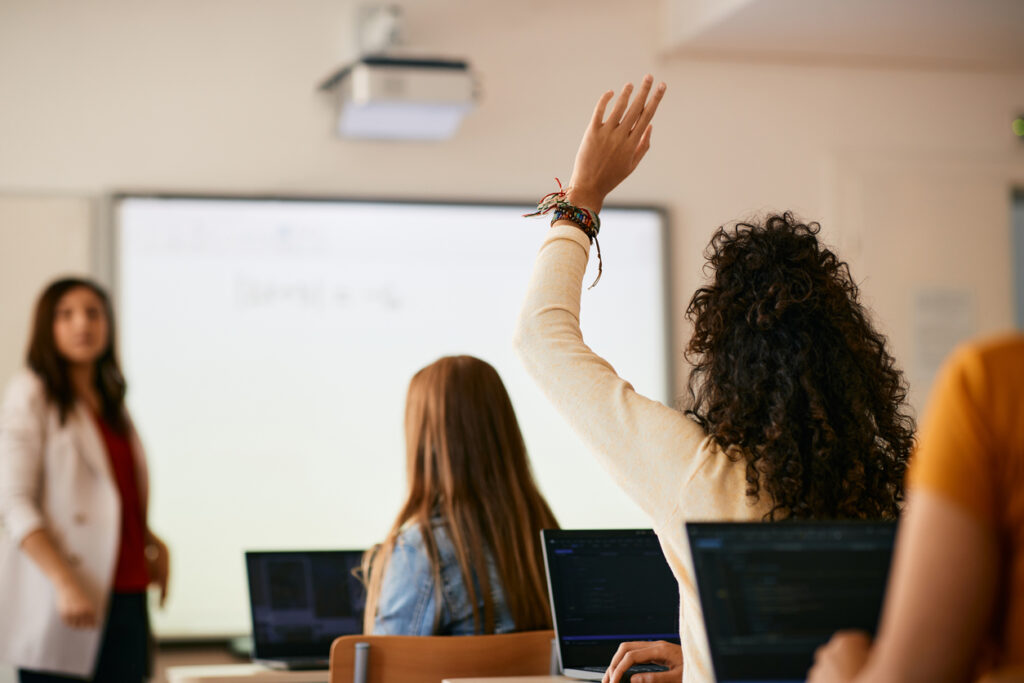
<point x="790" y="375"/>
<point x="52" y="368"/>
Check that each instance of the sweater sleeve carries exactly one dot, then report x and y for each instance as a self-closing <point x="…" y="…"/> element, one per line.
<point x="650" y="449"/>
<point x="22" y="430"/>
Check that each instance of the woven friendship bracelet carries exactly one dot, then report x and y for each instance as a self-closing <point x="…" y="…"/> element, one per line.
<point x="557" y="204"/>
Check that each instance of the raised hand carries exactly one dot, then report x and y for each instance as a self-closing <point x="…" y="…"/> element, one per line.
<point x="612" y="147"/>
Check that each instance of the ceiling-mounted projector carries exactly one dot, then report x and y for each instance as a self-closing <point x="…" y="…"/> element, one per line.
<point x="402" y="98"/>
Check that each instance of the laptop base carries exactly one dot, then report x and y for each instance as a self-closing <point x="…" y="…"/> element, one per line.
<point x="592" y="673"/>
<point x="295" y="664"/>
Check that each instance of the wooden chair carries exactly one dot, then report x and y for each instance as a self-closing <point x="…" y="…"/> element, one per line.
<point x="429" y="659"/>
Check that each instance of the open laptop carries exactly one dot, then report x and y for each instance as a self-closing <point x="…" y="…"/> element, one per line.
<point x="301" y="601"/>
<point x="772" y="593"/>
<point x="607" y="587"/>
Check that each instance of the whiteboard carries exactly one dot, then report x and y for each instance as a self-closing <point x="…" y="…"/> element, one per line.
<point x="268" y="346"/>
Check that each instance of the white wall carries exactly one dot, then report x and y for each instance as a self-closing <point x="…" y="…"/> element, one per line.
<point x="220" y="97"/>
<point x="40" y="237"/>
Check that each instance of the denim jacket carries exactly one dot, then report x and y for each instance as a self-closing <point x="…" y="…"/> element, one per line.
<point x="408" y="600"/>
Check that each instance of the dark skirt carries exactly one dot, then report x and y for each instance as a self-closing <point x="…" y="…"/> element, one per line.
<point x="124" y="646"/>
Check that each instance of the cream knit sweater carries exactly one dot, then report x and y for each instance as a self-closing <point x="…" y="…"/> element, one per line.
<point x="662" y="459"/>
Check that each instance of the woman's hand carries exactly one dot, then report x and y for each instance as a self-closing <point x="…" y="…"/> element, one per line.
<point x="841" y="659"/>
<point x="613" y="147"/>
<point x="75" y="606"/>
<point x="158" y="563"/>
<point x="646" y="652"/>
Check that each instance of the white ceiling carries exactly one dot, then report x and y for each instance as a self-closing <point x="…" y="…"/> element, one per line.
<point x="983" y="34"/>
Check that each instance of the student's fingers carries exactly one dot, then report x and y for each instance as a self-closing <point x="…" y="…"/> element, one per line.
<point x="620" y="652"/>
<point x="650" y="107"/>
<point x="599" y="110"/>
<point x="642" y="146"/>
<point x="637" y="108"/>
<point x="615" y="118"/>
<point x="670" y="676"/>
<point x="628" y="660"/>
<point x="841" y="658"/>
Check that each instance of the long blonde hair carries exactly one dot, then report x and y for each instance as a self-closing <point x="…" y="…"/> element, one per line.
<point x="466" y="464"/>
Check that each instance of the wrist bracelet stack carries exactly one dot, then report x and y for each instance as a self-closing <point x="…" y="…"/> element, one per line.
<point x="557" y="204"/>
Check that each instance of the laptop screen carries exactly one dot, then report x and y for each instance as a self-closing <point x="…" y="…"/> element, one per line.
<point x="302" y="600"/>
<point x="772" y="593"/>
<point x="608" y="587"/>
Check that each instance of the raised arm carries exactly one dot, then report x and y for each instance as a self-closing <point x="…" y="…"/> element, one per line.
<point x="643" y="443"/>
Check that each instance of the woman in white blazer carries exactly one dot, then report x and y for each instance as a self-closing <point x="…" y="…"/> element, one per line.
<point x="76" y="552"/>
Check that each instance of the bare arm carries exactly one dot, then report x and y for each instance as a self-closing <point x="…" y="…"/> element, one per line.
<point x="939" y="601"/>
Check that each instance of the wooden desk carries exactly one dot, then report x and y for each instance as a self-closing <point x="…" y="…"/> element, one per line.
<point x="253" y="673"/>
<point x="512" y="679"/>
<point x="241" y="673"/>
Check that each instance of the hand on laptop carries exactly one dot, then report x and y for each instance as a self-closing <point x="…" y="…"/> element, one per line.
<point x="841" y="659"/>
<point x="646" y="652"/>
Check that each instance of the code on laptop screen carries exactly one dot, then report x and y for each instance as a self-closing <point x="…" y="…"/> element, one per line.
<point x="773" y="593"/>
<point x="609" y="587"/>
<point x="302" y="601"/>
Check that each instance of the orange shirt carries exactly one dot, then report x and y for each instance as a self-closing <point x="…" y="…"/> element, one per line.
<point x="971" y="451"/>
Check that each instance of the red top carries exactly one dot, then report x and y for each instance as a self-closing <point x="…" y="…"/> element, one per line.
<point x="131" y="575"/>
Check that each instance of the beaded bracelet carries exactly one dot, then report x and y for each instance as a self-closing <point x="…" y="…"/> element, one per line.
<point x="557" y="204"/>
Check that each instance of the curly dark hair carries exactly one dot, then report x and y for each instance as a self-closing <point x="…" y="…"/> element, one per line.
<point x="790" y="375"/>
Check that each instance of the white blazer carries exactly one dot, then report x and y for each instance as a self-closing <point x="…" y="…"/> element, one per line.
<point x="56" y="477"/>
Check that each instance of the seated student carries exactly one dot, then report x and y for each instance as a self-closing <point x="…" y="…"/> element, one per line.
<point x="464" y="555"/>
<point x="954" y="608"/>
<point x="796" y="407"/>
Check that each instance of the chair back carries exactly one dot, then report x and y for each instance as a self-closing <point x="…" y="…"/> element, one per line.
<point x="430" y="659"/>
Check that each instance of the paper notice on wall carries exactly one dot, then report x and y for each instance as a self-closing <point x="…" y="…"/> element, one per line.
<point x="943" y="319"/>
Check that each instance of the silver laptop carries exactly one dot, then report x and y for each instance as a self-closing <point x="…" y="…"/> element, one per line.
<point x="607" y="587"/>
<point x="301" y="601"/>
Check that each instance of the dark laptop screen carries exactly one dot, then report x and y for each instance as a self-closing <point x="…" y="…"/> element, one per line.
<point x="608" y="587"/>
<point x="302" y="601"/>
<point x="772" y="593"/>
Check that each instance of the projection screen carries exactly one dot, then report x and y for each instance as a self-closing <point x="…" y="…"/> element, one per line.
<point x="268" y="345"/>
